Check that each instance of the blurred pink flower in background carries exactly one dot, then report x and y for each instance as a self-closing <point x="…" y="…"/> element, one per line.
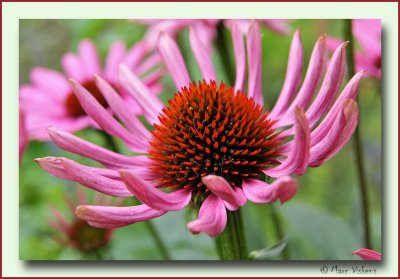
<point x="367" y="33"/>
<point x="205" y="28"/>
<point x="78" y="233"/>
<point x="367" y="254"/>
<point x="214" y="143"/>
<point x="49" y="99"/>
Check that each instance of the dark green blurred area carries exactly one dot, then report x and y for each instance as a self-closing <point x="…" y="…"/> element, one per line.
<point x="323" y="221"/>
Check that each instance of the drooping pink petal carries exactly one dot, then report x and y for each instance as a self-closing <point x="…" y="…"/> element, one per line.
<point x="221" y="188"/>
<point x="341" y="131"/>
<point x="330" y="86"/>
<point x="153" y="197"/>
<point x="203" y="58"/>
<point x="121" y="109"/>
<point x="173" y="60"/>
<point x="72" y="66"/>
<point x="313" y="76"/>
<point x="67" y="169"/>
<point x="299" y="155"/>
<point x="103" y="118"/>
<point x="240" y="55"/>
<point x="84" y="148"/>
<point x="292" y="79"/>
<point x="284" y="188"/>
<point x="115" y="56"/>
<point x="254" y="57"/>
<point x="148" y="64"/>
<point x="348" y="93"/>
<point x="116" y="216"/>
<point x="368" y="255"/>
<point x="238" y="192"/>
<point x="212" y="217"/>
<point x="90" y="60"/>
<point x="23" y="136"/>
<point x="150" y="104"/>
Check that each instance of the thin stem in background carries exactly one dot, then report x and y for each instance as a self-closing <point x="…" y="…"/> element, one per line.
<point x="279" y="230"/>
<point x="222" y="47"/>
<point x="359" y="152"/>
<point x="149" y="225"/>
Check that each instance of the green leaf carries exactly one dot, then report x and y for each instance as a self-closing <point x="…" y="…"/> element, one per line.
<point x="270" y="251"/>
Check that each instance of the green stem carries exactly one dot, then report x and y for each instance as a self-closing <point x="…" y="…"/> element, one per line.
<point x="278" y="229"/>
<point x="231" y="243"/>
<point x="150" y="226"/>
<point x="222" y="46"/>
<point x="359" y="152"/>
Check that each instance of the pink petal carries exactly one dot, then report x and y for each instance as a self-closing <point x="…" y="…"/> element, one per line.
<point x="73" y="67"/>
<point x="54" y="83"/>
<point x="367" y="254"/>
<point x="257" y="191"/>
<point x="115" y="56"/>
<point x="221" y="188"/>
<point x="349" y="92"/>
<point x="254" y="57"/>
<point x="153" y="197"/>
<point x="240" y="56"/>
<point x="23" y="136"/>
<point x="119" y="106"/>
<point x="337" y="137"/>
<point x="277" y="25"/>
<point x="203" y="58"/>
<point x="150" y="104"/>
<point x="136" y="54"/>
<point x="102" y="117"/>
<point x="212" y="217"/>
<point x="114" y="216"/>
<point x="147" y="64"/>
<point x="84" y="148"/>
<point x="292" y="79"/>
<point x="299" y="155"/>
<point x="70" y="170"/>
<point x="173" y="60"/>
<point x="330" y="86"/>
<point x="90" y="60"/>
<point x="313" y="76"/>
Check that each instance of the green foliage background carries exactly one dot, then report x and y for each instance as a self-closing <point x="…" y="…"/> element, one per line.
<point x="322" y="222"/>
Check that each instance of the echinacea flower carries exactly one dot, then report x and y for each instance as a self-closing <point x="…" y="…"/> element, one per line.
<point x="368" y="255"/>
<point x="367" y="33"/>
<point x="78" y="233"/>
<point x="213" y="144"/>
<point x="49" y="99"/>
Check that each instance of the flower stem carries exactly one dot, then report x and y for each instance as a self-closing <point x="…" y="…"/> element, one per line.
<point x="231" y="243"/>
<point x="357" y="140"/>
<point x="149" y="225"/>
<point x="222" y="46"/>
<point x="278" y="229"/>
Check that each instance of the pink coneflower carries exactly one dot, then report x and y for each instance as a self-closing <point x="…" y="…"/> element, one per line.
<point x="78" y="233"/>
<point x="368" y="255"/>
<point x="213" y="144"/>
<point x="367" y="33"/>
<point x="49" y="99"/>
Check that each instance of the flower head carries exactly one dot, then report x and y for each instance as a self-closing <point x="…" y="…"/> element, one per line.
<point x="78" y="233"/>
<point x="367" y="254"/>
<point x="213" y="143"/>
<point x="49" y="99"/>
<point x="368" y="34"/>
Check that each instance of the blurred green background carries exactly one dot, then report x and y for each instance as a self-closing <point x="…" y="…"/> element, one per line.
<point x="322" y="222"/>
